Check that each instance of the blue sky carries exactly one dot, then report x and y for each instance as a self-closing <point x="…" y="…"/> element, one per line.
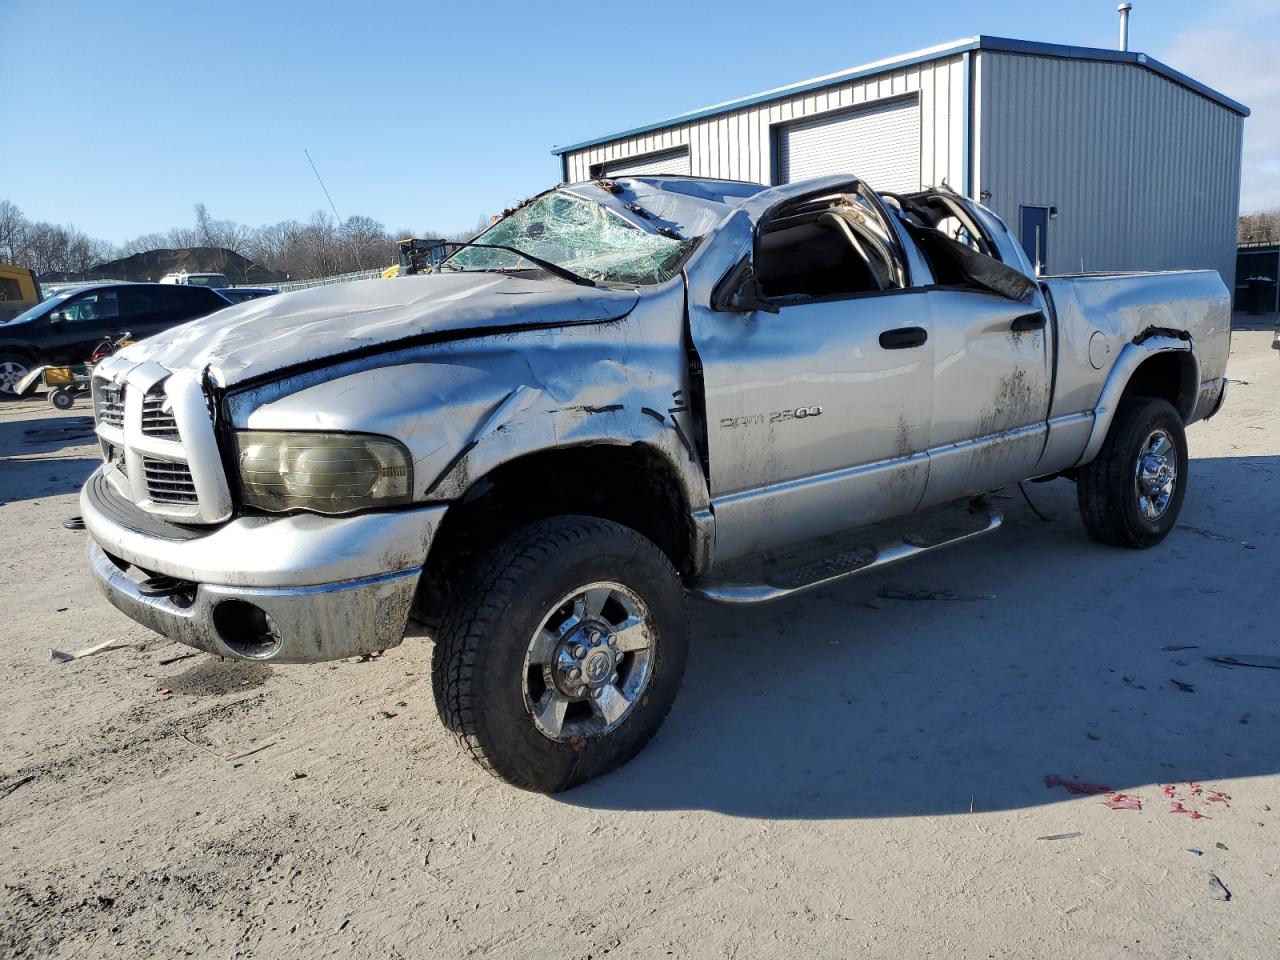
<point x="124" y="114"/>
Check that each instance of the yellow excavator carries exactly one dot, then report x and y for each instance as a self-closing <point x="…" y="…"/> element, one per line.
<point x="419" y="256"/>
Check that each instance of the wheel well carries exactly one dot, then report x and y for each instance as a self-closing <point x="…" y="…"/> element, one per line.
<point x="633" y="485"/>
<point x="1168" y="376"/>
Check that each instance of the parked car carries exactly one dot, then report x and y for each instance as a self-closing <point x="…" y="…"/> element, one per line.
<point x="197" y="279"/>
<point x="19" y="290"/>
<point x="624" y="390"/>
<point x="241" y="294"/>
<point x="65" y="328"/>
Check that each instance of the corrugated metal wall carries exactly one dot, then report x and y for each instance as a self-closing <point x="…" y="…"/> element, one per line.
<point x="738" y="145"/>
<point x="1145" y="174"/>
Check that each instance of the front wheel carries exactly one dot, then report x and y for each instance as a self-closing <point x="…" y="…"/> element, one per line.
<point x="1131" y="493"/>
<point x="562" y="654"/>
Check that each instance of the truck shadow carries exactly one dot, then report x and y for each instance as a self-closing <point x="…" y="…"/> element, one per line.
<point x="965" y="679"/>
<point x="31" y="465"/>
<point x="43" y="477"/>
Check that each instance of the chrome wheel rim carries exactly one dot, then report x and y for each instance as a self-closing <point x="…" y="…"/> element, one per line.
<point x="1156" y="474"/>
<point x="11" y="371"/>
<point x="589" y="662"/>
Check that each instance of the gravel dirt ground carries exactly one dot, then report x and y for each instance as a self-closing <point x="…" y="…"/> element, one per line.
<point x="861" y="772"/>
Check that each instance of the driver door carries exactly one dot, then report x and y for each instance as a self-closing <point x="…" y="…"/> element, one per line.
<point x="818" y="414"/>
<point x="83" y="322"/>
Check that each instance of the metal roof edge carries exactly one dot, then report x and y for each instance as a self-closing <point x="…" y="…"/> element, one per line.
<point x="804" y="86"/>
<point x="981" y="42"/>
<point x="1068" y="52"/>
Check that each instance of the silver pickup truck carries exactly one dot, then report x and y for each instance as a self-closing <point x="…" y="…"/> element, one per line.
<point x="624" y="390"/>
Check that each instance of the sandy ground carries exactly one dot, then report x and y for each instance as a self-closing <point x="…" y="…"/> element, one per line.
<point x="847" y="774"/>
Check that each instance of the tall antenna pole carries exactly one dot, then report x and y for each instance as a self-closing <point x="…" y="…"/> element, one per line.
<point x="337" y="216"/>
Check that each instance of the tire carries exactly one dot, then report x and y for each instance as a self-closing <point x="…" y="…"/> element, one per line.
<point x="1121" y="505"/>
<point x="62" y="399"/>
<point x="13" y="367"/>
<point x="506" y="648"/>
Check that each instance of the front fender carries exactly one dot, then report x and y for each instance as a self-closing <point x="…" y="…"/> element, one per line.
<point x="466" y="407"/>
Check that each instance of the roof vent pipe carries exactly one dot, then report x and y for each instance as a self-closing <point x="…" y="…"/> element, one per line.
<point x="1124" y="9"/>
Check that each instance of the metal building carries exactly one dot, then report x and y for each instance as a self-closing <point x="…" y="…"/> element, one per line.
<point x="1100" y="160"/>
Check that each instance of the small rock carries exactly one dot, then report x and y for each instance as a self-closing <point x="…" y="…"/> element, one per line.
<point x="297" y="775"/>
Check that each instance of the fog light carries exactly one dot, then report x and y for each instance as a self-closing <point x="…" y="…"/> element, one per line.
<point x="248" y="630"/>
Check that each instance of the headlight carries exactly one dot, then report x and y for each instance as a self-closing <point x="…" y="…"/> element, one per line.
<point x="324" y="472"/>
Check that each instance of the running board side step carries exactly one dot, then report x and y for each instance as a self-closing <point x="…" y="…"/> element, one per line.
<point x="847" y="563"/>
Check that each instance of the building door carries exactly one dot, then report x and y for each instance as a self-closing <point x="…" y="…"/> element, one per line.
<point x="878" y="143"/>
<point x="1035" y="236"/>
<point x="647" y="165"/>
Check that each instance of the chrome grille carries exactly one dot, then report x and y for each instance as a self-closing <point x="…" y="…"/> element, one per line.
<point x="168" y="482"/>
<point x="111" y="405"/>
<point x="156" y="421"/>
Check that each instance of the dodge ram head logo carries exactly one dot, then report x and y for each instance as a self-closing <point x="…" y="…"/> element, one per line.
<point x="778" y="416"/>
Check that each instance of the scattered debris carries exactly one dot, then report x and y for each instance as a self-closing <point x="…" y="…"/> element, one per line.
<point x="164" y="691"/>
<point x="1249" y="660"/>
<point x="1061" y="836"/>
<point x="1220" y="891"/>
<point x="15" y="785"/>
<point x="1208" y="534"/>
<point x="1177" y="807"/>
<point x="1196" y="850"/>
<point x="78" y="429"/>
<point x="1075" y="786"/>
<point x="61" y="656"/>
<point x="1129" y="682"/>
<point x="74" y="523"/>
<point x="1181" y="646"/>
<point x="892" y="593"/>
<point x="238" y="756"/>
<point x="181" y="656"/>
<point x="1194" y="788"/>
<point x="387" y="714"/>
<point x="1217" y="796"/>
<point x="1184" y="687"/>
<point x="1123" y="801"/>
<point x="297" y="775"/>
<point x="1221" y="846"/>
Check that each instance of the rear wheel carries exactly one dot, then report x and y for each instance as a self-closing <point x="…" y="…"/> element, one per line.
<point x="562" y="654"/>
<point x="1130" y="495"/>
<point x="13" y="367"/>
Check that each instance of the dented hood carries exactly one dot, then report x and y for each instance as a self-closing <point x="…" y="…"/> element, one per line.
<point x="262" y="336"/>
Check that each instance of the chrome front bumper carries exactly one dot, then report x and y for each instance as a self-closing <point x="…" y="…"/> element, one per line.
<point x="292" y="589"/>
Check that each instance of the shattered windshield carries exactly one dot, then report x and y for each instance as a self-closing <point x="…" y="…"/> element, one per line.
<point x="579" y="235"/>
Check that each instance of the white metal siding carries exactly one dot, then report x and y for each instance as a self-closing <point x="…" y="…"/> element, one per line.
<point x="675" y="161"/>
<point x="1145" y="174"/>
<point x="738" y="145"/>
<point x="880" y="144"/>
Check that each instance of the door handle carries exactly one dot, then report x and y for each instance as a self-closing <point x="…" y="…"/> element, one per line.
<point x="1028" y="322"/>
<point x="903" y="338"/>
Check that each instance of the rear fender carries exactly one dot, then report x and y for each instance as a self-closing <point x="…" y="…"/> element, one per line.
<point x="1131" y="357"/>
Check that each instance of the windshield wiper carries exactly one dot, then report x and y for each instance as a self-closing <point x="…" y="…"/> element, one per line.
<point x="551" y="268"/>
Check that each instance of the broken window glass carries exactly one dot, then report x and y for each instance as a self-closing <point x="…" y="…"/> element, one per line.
<point x="580" y="236"/>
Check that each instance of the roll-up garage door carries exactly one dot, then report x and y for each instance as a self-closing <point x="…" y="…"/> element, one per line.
<point x="670" y="161"/>
<point x="880" y="144"/>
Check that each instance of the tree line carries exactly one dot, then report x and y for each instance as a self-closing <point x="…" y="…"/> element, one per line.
<point x="1261" y="227"/>
<point x="318" y="247"/>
